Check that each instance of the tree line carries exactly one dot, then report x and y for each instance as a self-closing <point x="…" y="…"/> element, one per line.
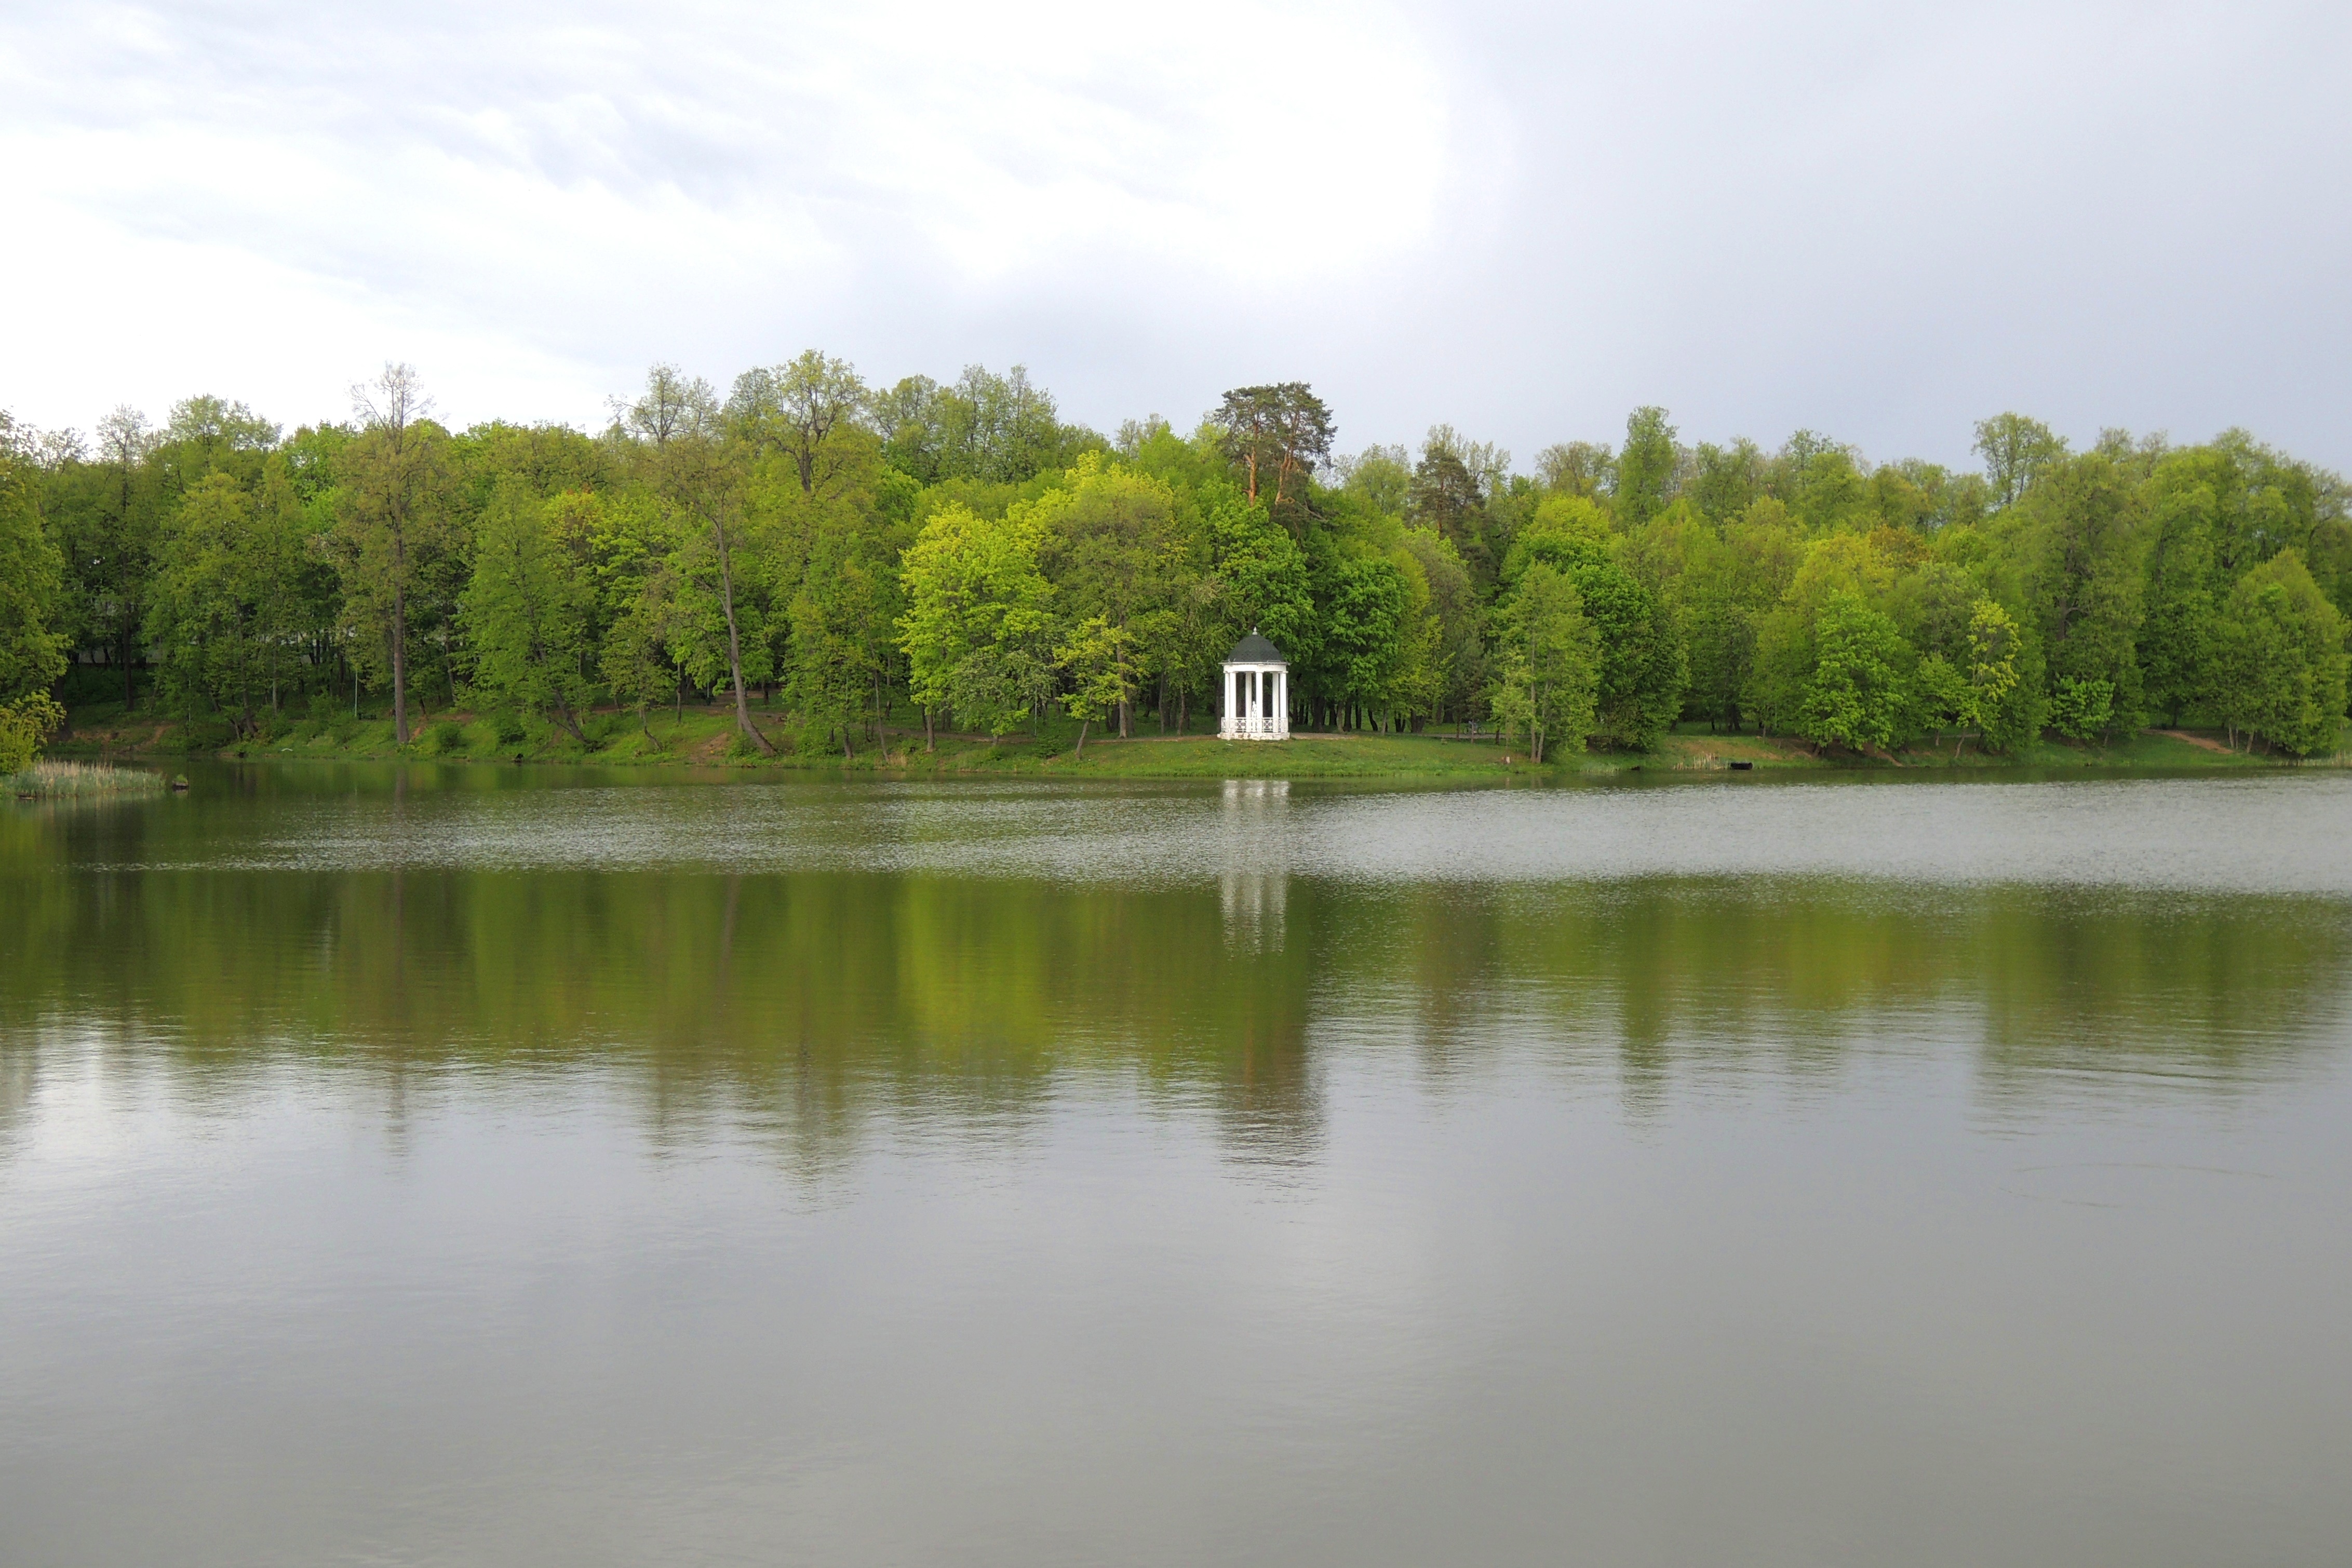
<point x="957" y="556"/>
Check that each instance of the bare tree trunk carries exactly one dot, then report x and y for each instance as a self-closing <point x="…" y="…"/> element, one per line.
<point x="1082" y="739"/>
<point x="927" y="743"/>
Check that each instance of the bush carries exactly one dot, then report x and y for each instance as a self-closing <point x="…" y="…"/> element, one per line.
<point x="204" y="735"/>
<point x="447" y="736"/>
<point x="508" y="726"/>
<point x="25" y="724"/>
<point x="346" y="730"/>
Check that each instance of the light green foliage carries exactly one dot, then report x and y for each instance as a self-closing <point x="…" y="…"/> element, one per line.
<point x="1360" y="607"/>
<point x="2082" y="709"/>
<point x="1565" y="531"/>
<point x="1111" y="544"/>
<point x="838" y="555"/>
<point x="32" y="650"/>
<point x="527" y="612"/>
<point x="1859" y="694"/>
<point x="1645" y="468"/>
<point x="1381" y="476"/>
<point x="1548" y="665"/>
<point x="1730" y="584"/>
<point x="1822" y="488"/>
<point x="225" y="603"/>
<point x="2081" y="541"/>
<point x="1644" y="667"/>
<point x="2178" y="631"/>
<point x="2280" y="669"/>
<point x="394" y="485"/>
<point x="1265" y="577"/>
<point x="1576" y="468"/>
<point x="1101" y="659"/>
<point x="2016" y="451"/>
<point x="2004" y="701"/>
<point x="1786" y="645"/>
<point x="1457" y="654"/>
<point x="1417" y="680"/>
<point x="1939" y="696"/>
<point x="979" y="628"/>
<point x="985" y="427"/>
<point x="25" y="724"/>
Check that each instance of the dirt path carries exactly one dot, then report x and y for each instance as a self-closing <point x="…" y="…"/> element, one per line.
<point x="2206" y="741"/>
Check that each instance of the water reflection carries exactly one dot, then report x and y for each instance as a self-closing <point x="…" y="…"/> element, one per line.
<point x="812" y="1002"/>
<point x="1255" y="885"/>
<point x="504" y="1169"/>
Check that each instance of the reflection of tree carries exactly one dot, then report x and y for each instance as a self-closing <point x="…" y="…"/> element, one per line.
<point x="808" y="1007"/>
<point x="1681" y="973"/>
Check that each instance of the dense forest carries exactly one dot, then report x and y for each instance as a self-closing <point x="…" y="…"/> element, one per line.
<point x="826" y="558"/>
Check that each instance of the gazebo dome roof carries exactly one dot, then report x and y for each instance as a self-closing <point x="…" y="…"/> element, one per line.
<point x="1254" y="650"/>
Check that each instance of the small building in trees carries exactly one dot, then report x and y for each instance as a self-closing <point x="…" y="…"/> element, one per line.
<point x="1257" y="703"/>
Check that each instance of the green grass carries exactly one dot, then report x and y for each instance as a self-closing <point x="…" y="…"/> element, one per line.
<point x="705" y="737"/>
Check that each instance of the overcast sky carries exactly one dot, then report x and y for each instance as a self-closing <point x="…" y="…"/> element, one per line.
<point x="1881" y="222"/>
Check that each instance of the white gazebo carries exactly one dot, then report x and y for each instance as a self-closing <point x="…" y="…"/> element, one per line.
<point x="1257" y="691"/>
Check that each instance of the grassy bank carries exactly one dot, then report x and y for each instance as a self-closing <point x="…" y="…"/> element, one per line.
<point x="705" y="737"/>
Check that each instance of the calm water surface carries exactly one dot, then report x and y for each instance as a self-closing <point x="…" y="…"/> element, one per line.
<point x="483" y="1166"/>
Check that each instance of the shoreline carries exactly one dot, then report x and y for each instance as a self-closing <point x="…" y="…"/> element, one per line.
<point x="705" y="738"/>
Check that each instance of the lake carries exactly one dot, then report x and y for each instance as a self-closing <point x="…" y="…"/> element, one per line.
<point x="456" y="1165"/>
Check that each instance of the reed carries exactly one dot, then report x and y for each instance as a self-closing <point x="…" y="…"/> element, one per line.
<point x="55" y="780"/>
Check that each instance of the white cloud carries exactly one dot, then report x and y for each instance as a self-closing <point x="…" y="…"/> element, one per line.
<point x="1879" y="222"/>
<point x="520" y="190"/>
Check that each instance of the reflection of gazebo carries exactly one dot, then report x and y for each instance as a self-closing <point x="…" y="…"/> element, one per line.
<point x="1257" y="691"/>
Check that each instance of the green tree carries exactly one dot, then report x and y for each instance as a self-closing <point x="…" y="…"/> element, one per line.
<point x="1548" y="676"/>
<point x="701" y="468"/>
<point x="2016" y="451"/>
<point x="2281" y="662"/>
<point x="224" y="606"/>
<point x="530" y="609"/>
<point x="1646" y="469"/>
<point x="2082" y="546"/>
<point x="108" y="549"/>
<point x="1643" y="667"/>
<point x="1860" y="693"/>
<point x="2178" y="635"/>
<point x="395" y="492"/>
<point x="1458" y="655"/>
<point x="1361" y="600"/>
<point x="26" y="725"/>
<point x="1113" y="548"/>
<point x="1100" y="661"/>
<point x="979" y="623"/>
<point x="798" y="409"/>
<point x="1448" y="500"/>
<point x="2004" y="698"/>
<point x="1278" y="435"/>
<point x="32" y="651"/>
